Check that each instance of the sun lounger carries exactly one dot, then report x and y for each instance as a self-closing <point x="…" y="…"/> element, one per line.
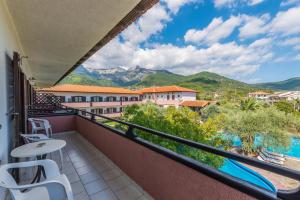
<point x="271" y="156"/>
<point x="273" y="153"/>
<point x="264" y="158"/>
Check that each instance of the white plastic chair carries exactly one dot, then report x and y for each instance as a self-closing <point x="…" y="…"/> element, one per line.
<point x="40" y="125"/>
<point x="28" y="138"/>
<point x="55" y="186"/>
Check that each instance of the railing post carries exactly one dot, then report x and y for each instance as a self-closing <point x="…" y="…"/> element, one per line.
<point x="130" y="132"/>
<point x="92" y="117"/>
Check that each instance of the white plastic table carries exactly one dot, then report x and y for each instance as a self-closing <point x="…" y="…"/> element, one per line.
<point x="40" y="150"/>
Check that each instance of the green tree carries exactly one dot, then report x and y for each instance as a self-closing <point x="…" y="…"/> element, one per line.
<point x="181" y="122"/>
<point x="269" y="124"/>
<point x="210" y="112"/>
<point x="297" y="104"/>
<point x="249" y="104"/>
<point x="285" y="106"/>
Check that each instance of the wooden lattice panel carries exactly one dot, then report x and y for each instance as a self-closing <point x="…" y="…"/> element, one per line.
<point x="46" y="98"/>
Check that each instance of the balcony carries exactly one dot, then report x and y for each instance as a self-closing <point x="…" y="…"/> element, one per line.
<point x="77" y="104"/>
<point x="105" y="104"/>
<point x="163" y="174"/>
<point x="99" y="104"/>
<point x="126" y="103"/>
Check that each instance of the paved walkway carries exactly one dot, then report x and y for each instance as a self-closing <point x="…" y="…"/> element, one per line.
<point x="92" y="175"/>
<point x="281" y="182"/>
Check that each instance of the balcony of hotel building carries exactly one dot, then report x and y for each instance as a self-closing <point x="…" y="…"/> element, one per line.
<point x="41" y="42"/>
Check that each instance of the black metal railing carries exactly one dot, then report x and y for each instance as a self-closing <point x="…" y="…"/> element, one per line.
<point x="236" y="183"/>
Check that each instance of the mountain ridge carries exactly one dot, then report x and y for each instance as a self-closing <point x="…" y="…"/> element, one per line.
<point x="138" y="77"/>
<point x="288" y="84"/>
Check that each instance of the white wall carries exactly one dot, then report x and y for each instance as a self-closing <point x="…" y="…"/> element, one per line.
<point x="8" y="44"/>
<point x="188" y="96"/>
<point x="179" y="96"/>
<point x="88" y="96"/>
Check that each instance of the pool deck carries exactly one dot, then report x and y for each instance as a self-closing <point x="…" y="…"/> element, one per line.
<point x="281" y="182"/>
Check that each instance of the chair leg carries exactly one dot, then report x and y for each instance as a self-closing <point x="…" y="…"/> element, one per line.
<point x="61" y="159"/>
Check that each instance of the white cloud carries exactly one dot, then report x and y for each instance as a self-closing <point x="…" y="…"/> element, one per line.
<point x="152" y="22"/>
<point x="297" y="57"/>
<point x="224" y="3"/>
<point x="254" y="2"/>
<point x="214" y="32"/>
<point x="235" y="3"/>
<point x="253" y="26"/>
<point x="297" y="47"/>
<point x="290" y="41"/>
<point x="264" y="42"/>
<point x="286" y="22"/>
<point x="228" y="59"/>
<point x="289" y="2"/>
<point x="174" y="5"/>
<point x="252" y="80"/>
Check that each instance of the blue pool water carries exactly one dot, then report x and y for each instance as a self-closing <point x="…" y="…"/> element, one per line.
<point x="238" y="170"/>
<point x="292" y="150"/>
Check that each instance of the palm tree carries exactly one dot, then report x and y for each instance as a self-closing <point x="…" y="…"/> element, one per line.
<point x="249" y="104"/>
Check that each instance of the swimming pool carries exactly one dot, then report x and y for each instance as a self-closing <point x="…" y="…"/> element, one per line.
<point x="238" y="170"/>
<point x="292" y="150"/>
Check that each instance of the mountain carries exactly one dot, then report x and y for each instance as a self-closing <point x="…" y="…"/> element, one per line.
<point x="159" y="78"/>
<point x="289" y="84"/>
<point x="138" y="77"/>
<point x="105" y="77"/>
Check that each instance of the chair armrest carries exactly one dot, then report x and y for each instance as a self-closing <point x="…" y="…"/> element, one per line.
<point x="33" y="185"/>
<point x="50" y="166"/>
<point x="62" y="180"/>
<point x="35" y="137"/>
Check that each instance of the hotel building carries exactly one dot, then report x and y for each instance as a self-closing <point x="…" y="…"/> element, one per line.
<point x="110" y="101"/>
<point x="167" y="95"/>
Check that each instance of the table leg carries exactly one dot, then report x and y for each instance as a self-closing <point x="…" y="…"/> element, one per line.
<point x="40" y="170"/>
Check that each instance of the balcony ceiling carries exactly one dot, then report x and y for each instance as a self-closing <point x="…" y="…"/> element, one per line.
<point x="56" y="34"/>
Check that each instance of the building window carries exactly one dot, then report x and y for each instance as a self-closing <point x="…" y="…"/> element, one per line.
<point x="134" y="99"/>
<point x="98" y="111"/>
<point x="168" y="97"/>
<point x="96" y="99"/>
<point x="173" y="97"/>
<point x="111" y="110"/>
<point x="78" y="99"/>
<point x="124" y="98"/>
<point x="111" y="99"/>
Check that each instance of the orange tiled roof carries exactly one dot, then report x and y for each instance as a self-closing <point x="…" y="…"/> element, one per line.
<point x="197" y="103"/>
<point x="88" y="89"/>
<point x="259" y="92"/>
<point x="172" y="88"/>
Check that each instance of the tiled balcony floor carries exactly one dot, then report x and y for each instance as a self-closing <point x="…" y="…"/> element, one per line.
<point x="92" y="175"/>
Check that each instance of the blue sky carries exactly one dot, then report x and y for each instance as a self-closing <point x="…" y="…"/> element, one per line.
<point x="249" y="40"/>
